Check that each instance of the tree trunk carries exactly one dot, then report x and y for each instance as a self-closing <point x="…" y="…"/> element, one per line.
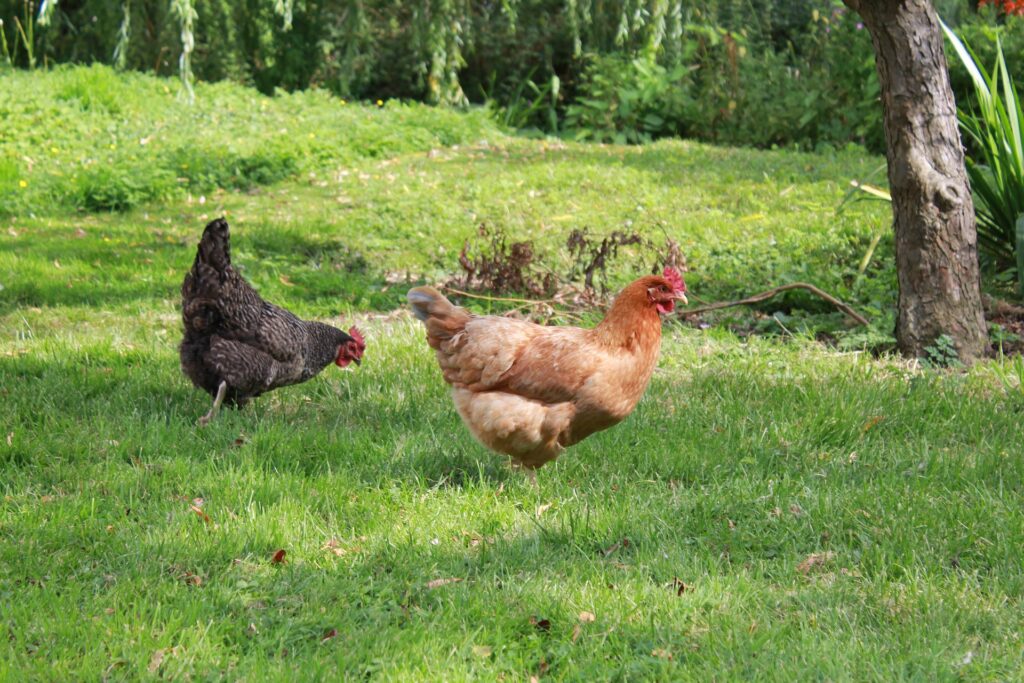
<point x="936" y="237"/>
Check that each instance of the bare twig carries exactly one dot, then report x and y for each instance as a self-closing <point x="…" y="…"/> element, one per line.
<point x="523" y="303"/>
<point x="776" y="290"/>
<point x="527" y="302"/>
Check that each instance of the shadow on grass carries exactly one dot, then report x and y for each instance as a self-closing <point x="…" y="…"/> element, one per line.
<point x="287" y="267"/>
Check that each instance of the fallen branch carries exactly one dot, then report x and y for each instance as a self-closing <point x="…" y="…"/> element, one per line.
<point x="772" y="292"/>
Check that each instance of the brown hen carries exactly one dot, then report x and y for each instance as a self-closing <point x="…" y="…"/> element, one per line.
<point x="530" y="391"/>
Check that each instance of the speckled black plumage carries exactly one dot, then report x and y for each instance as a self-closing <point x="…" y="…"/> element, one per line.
<point x="233" y="335"/>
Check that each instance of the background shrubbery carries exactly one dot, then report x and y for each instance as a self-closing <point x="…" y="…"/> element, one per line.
<point x="751" y="72"/>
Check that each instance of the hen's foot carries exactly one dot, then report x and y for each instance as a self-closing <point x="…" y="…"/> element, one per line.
<point x="215" y="408"/>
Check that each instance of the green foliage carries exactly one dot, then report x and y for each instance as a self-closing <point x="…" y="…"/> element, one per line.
<point x="764" y="72"/>
<point x="106" y="188"/>
<point x="942" y="353"/>
<point x="530" y="105"/>
<point x="629" y="100"/>
<point x="100" y="140"/>
<point x="97" y="90"/>
<point x="186" y="15"/>
<point x="995" y="163"/>
<point x="1000" y="337"/>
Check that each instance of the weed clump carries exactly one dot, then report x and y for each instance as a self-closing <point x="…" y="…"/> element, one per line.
<point x="494" y="264"/>
<point x="503" y="267"/>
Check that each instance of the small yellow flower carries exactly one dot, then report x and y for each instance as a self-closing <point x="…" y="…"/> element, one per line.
<point x="22" y="183"/>
<point x="54" y="150"/>
<point x="312" y="136"/>
<point x="344" y="102"/>
<point x="380" y="103"/>
<point x="113" y="146"/>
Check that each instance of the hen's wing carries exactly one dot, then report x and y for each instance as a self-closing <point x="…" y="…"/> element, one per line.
<point x="248" y="370"/>
<point x="547" y="364"/>
<point x="280" y="334"/>
<point x="489" y="353"/>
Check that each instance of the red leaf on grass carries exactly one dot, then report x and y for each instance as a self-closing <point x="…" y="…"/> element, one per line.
<point x="278" y="557"/>
<point x="814" y="560"/>
<point x="200" y="514"/>
<point x="870" y="423"/>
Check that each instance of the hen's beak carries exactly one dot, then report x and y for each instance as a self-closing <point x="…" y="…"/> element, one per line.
<point x="682" y="297"/>
<point x="357" y="361"/>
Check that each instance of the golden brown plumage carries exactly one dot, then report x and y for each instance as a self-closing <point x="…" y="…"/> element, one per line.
<point x="530" y="391"/>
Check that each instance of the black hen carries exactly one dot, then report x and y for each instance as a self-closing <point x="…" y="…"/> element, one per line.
<point x="237" y="345"/>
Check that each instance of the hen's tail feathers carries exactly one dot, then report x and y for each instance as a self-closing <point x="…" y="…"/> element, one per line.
<point x="201" y="290"/>
<point x="215" y="246"/>
<point x="443" y="319"/>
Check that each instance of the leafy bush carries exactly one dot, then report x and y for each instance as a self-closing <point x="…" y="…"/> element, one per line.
<point x="630" y="100"/>
<point x="93" y="89"/>
<point x="207" y="167"/>
<point x="820" y="89"/>
<point x="108" y="188"/>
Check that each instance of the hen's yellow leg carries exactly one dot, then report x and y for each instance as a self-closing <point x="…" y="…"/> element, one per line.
<point x="215" y="408"/>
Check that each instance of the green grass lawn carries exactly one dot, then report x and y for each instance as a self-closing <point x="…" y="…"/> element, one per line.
<point x="773" y="510"/>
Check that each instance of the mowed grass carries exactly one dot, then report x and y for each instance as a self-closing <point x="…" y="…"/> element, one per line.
<point x="771" y="511"/>
<point x="682" y="531"/>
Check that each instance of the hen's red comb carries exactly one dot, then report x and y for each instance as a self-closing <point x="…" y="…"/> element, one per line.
<point x="357" y="335"/>
<point x="674" y="279"/>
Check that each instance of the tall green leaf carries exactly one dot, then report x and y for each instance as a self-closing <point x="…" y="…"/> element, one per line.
<point x="995" y="161"/>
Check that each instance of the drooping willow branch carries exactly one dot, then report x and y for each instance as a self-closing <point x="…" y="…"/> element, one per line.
<point x="124" y="36"/>
<point x="187" y="15"/>
<point x="285" y="8"/>
<point x="46" y="12"/>
<point x="777" y="290"/>
<point x="442" y="32"/>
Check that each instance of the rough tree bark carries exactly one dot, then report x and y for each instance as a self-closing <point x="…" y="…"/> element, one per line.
<point x="936" y="237"/>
